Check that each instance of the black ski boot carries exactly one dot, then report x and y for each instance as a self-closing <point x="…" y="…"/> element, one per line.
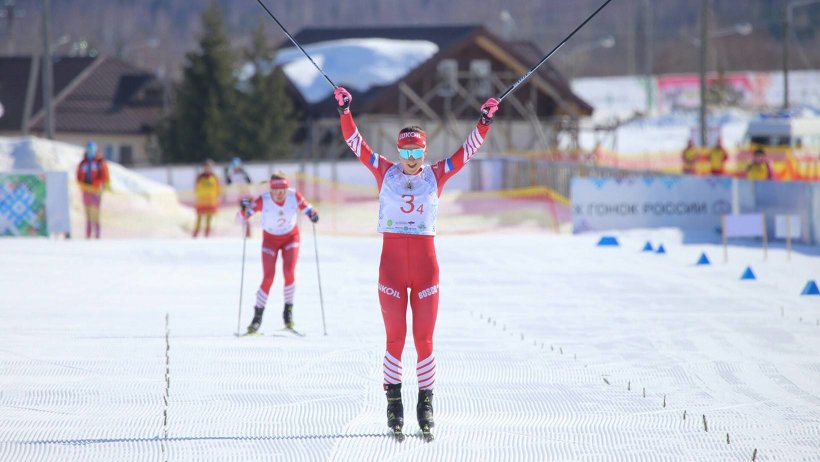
<point x="287" y="315"/>
<point x="395" y="410"/>
<point x="257" y="320"/>
<point x="424" y="412"/>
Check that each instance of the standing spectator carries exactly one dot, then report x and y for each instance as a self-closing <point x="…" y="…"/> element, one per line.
<point x="207" y="191"/>
<point x="92" y="175"/>
<point x="759" y="169"/>
<point x="690" y="158"/>
<point x="717" y="159"/>
<point x="236" y="176"/>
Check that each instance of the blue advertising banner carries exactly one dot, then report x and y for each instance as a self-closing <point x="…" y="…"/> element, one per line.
<point x="649" y="202"/>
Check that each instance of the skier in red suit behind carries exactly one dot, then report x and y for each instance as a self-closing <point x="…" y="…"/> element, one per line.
<point x="280" y="208"/>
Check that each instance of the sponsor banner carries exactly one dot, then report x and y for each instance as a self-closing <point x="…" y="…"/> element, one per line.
<point x="23" y="205"/>
<point x="649" y="202"/>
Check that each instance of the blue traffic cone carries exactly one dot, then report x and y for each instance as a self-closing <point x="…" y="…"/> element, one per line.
<point x="811" y="288"/>
<point x="748" y="274"/>
<point x="703" y="260"/>
<point x="661" y="249"/>
<point x="647" y="247"/>
<point x="608" y="241"/>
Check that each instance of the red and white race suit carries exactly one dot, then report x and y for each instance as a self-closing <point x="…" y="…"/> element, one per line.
<point x="408" y="208"/>
<point x="280" y="234"/>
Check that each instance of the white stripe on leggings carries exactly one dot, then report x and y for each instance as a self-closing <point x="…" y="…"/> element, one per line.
<point x="261" y="298"/>
<point x="426" y="372"/>
<point x="392" y="369"/>
<point x="289" y="292"/>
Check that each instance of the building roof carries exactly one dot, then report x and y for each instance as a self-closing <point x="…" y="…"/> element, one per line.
<point x="452" y="41"/>
<point x="443" y="36"/>
<point x="91" y="95"/>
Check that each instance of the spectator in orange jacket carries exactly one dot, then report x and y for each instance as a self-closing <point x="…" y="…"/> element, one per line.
<point x="759" y="169"/>
<point x="207" y="191"/>
<point x="92" y="175"/>
<point x="717" y="159"/>
<point x="690" y="158"/>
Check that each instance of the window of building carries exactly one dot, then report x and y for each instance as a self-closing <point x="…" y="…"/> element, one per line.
<point x="447" y="70"/>
<point x="126" y="154"/>
<point x="480" y="72"/>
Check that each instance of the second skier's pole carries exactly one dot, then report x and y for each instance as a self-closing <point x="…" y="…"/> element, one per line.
<point x="319" y="275"/>
<point x="242" y="276"/>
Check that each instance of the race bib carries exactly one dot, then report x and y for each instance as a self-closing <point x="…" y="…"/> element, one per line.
<point x="408" y="204"/>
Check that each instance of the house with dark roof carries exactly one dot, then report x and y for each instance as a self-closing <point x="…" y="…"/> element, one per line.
<point x="104" y="98"/>
<point x="434" y="76"/>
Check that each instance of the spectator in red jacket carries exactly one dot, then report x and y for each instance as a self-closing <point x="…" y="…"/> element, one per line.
<point x="92" y="175"/>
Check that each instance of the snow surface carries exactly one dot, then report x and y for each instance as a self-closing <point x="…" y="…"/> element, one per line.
<point x="549" y="348"/>
<point x="358" y="64"/>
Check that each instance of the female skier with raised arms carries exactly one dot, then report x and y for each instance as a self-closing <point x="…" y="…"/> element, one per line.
<point x="408" y="207"/>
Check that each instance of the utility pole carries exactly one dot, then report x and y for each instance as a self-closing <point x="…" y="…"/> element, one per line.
<point x="48" y="75"/>
<point x="704" y="47"/>
<point x="786" y="27"/>
<point x="648" y="43"/>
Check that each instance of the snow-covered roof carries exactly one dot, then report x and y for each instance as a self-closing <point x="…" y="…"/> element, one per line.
<point x="359" y="64"/>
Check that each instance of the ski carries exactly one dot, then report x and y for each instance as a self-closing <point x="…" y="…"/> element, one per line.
<point x="397" y="433"/>
<point x="251" y="334"/>
<point x="427" y="434"/>
<point x="292" y="331"/>
<point x="261" y="334"/>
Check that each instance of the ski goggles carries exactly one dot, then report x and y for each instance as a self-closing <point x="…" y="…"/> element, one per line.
<point x="411" y="153"/>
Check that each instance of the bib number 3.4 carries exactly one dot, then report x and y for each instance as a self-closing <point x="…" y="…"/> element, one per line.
<point x="410" y="205"/>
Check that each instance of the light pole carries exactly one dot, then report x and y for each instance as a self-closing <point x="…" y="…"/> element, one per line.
<point x="703" y="42"/>
<point x="649" y="51"/>
<point x="704" y="45"/>
<point x="48" y="74"/>
<point x="787" y="21"/>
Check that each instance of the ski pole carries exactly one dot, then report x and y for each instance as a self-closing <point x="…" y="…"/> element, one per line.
<point x="319" y="275"/>
<point x="527" y="75"/>
<point x="297" y="44"/>
<point x="242" y="276"/>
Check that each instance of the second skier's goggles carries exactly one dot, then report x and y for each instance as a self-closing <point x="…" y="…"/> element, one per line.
<point x="414" y="153"/>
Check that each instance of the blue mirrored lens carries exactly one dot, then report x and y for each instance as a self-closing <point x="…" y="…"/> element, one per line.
<point x="414" y="153"/>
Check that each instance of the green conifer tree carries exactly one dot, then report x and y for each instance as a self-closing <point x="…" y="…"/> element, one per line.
<point x="202" y="122"/>
<point x="266" y="121"/>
